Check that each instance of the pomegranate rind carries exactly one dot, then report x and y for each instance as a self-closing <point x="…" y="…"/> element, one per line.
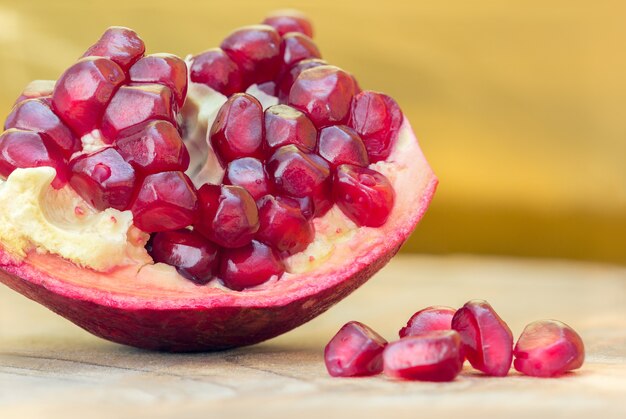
<point x="137" y="305"/>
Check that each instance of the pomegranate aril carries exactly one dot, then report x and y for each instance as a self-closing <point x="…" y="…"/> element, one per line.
<point x="36" y="89"/>
<point x="228" y="215"/>
<point x="286" y="80"/>
<point x="256" y="49"/>
<point x="36" y="115"/>
<point x="214" y="68"/>
<point x="83" y="92"/>
<point x="122" y="45"/>
<point x="238" y="128"/>
<point x="339" y="144"/>
<point x="356" y="350"/>
<point x="249" y="266"/>
<point x="428" y="320"/>
<point x="152" y="147"/>
<point x="283" y="226"/>
<point x="135" y="104"/>
<point x="296" y="47"/>
<point x="286" y="125"/>
<point x="487" y="341"/>
<point x="285" y="21"/>
<point x="324" y="93"/>
<point x="433" y="356"/>
<point x="548" y="348"/>
<point x="363" y="194"/>
<point x="165" y="201"/>
<point x="104" y="179"/>
<point x="250" y="174"/>
<point x="26" y="149"/>
<point x="193" y="256"/>
<point x="300" y="174"/>
<point x="166" y="69"/>
<point x="377" y="118"/>
<point x="305" y="205"/>
<point x="268" y="87"/>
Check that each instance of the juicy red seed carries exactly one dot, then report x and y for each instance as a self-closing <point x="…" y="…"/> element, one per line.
<point x="238" y="128"/>
<point x="377" y="118"/>
<point x="135" y="104"/>
<point x="104" y="179"/>
<point x="283" y="226"/>
<point x="36" y="89"/>
<point x="25" y="149"/>
<point x="286" y="125"/>
<point x="165" y="201"/>
<point x="300" y="174"/>
<point x="215" y="69"/>
<point x="36" y="115"/>
<point x="193" y="256"/>
<point x="548" y="348"/>
<point x="83" y="92"/>
<point x="433" y="356"/>
<point x="356" y="350"/>
<point x="364" y="195"/>
<point x="166" y="69"/>
<point x="152" y="147"/>
<point x="286" y="80"/>
<point x="305" y="205"/>
<point x="339" y="144"/>
<point x="250" y="174"/>
<point x="285" y="21"/>
<point x="256" y="49"/>
<point x="269" y="88"/>
<point x="249" y="266"/>
<point x="296" y="47"/>
<point x="428" y="320"/>
<point x="228" y="215"/>
<point x="324" y="93"/>
<point x="487" y="341"/>
<point x="122" y="45"/>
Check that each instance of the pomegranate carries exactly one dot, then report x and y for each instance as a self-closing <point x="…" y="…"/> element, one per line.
<point x="356" y="350"/>
<point x="428" y="320"/>
<point x="207" y="203"/>
<point x="548" y="348"/>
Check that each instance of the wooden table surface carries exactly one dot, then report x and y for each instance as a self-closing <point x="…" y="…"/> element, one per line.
<point x="49" y="368"/>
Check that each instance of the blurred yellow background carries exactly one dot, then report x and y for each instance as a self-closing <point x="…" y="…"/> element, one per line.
<point x="520" y="106"/>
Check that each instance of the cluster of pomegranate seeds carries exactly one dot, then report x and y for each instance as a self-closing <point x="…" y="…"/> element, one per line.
<point x="436" y="341"/>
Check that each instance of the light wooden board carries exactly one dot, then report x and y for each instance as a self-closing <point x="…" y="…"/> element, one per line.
<point x="51" y="369"/>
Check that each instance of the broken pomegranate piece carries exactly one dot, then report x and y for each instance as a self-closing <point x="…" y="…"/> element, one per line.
<point x="432" y="356"/>
<point x="356" y="350"/>
<point x="428" y="320"/>
<point x="548" y="348"/>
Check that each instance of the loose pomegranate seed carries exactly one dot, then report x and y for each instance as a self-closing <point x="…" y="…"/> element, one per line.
<point x="165" y="201"/>
<point x="428" y="320"/>
<point x="285" y="21"/>
<point x="487" y="341"/>
<point x="249" y="266"/>
<point x="299" y="174"/>
<point x="122" y="45"/>
<point x="152" y="147"/>
<point x="324" y="93"/>
<point x="339" y="144"/>
<point x="283" y="226"/>
<point x="364" y="195"/>
<point x="166" y="69"/>
<point x="104" y="179"/>
<point x="24" y="149"/>
<point x="135" y="104"/>
<point x="286" y="80"/>
<point x="433" y="356"/>
<point x="36" y="89"/>
<point x="193" y="256"/>
<point x="286" y="125"/>
<point x="238" y="128"/>
<point x="248" y="173"/>
<point x="548" y="348"/>
<point x="377" y="118"/>
<point x="256" y="49"/>
<point x="356" y="350"/>
<point x="36" y="115"/>
<point x="269" y="88"/>
<point x="296" y="47"/>
<point x="215" y="69"/>
<point x="83" y="92"/>
<point x="228" y="215"/>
